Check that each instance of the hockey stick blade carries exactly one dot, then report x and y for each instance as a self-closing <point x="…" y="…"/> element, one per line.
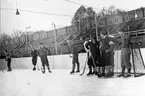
<point x="84" y="67"/>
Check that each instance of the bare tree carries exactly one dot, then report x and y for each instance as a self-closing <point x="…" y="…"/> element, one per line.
<point x="83" y="17"/>
<point x="110" y="11"/>
<point x="17" y="34"/>
<point x="4" y="36"/>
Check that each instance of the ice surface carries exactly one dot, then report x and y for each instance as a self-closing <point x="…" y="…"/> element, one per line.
<point x="60" y="83"/>
<point x="22" y="81"/>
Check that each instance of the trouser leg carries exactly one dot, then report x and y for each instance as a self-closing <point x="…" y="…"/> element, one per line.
<point x="122" y="72"/>
<point x="9" y="65"/>
<point x="90" y="66"/>
<point x="43" y="63"/>
<point x="112" y="63"/>
<point x="34" y="61"/>
<point x="47" y="64"/>
<point x="73" y="68"/>
<point x="128" y="64"/>
<point x="78" y="67"/>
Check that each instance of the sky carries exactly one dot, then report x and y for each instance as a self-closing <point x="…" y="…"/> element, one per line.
<point x="10" y="22"/>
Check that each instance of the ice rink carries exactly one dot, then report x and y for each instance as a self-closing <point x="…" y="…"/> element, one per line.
<point x="22" y="81"/>
<point x="60" y="83"/>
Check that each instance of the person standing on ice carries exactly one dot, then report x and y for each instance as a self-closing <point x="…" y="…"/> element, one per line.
<point x="34" y="55"/>
<point x="107" y="44"/>
<point x="42" y="52"/>
<point x="125" y="54"/>
<point x="93" y="52"/>
<point x="8" y="59"/>
<point x="74" y="56"/>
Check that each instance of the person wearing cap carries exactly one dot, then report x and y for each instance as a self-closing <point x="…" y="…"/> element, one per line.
<point x="107" y="44"/>
<point x="125" y="54"/>
<point x="42" y="52"/>
<point x="92" y="48"/>
<point x="75" y="61"/>
<point x="8" y="59"/>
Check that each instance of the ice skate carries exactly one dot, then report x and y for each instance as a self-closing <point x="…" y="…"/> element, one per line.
<point x="34" y="69"/>
<point x="127" y="75"/>
<point x="72" y="72"/>
<point x="78" y="71"/>
<point x="121" y="75"/>
<point x="90" y="73"/>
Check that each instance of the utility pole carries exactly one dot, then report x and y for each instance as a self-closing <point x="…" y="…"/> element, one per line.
<point x="26" y="34"/>
<point x="55" y="38"/>
<point x="79" y="21"/>
<point x="97" y="36"/>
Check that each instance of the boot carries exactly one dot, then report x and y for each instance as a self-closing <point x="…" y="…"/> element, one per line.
<point x="99" y="72"/>
<point x="109" y="73"/>
<point x="49" y="69"/>
<point x="90" y="71"/>
<point x="34" y="68"/>
<point x="112" y="70"/>
<point x="128" y="73"/>
<point x="95" y="72"/>
<point x="43" y="71"/>
<point x="77" y="71"/>
<point x="112" y="73"/>
<point x="9" y="69"/>
<point x="72" y="72"/>
<point x="73" y="68"/>
<point x="78" y="68"/>
<point x="122" y="73"/>
<point x="103" y="71"/>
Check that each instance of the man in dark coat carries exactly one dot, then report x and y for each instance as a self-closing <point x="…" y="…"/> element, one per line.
<point x="43" y="56"/>
<point x="107" y="45"/>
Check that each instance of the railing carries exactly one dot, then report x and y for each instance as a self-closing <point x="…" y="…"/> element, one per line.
<point x="133" y="34"/>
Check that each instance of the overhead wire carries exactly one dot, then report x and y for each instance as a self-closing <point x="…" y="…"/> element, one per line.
<point x="82" y="4"/>
<point x="31" y="11"/>
<point x="37" y="12"/>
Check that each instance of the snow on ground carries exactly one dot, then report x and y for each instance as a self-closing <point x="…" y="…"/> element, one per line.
<point x="60" y="83"/>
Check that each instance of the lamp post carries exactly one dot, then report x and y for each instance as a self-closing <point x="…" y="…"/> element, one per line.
<point x="55" y="38"/>
<point x="17" y="11"/>
<point x="96" y="27"/>
<point x="26" y="28"/>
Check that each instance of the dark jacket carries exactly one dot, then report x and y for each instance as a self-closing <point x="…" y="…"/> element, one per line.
<point x="34" y="53"/>
<point x="42" y="52"/>
<point x="105" y="43"/>
<point x="8" y="57"/>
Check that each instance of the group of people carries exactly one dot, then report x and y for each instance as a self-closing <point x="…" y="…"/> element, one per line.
<point x="41" y="52"/>
<point x="100" y="55"/>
